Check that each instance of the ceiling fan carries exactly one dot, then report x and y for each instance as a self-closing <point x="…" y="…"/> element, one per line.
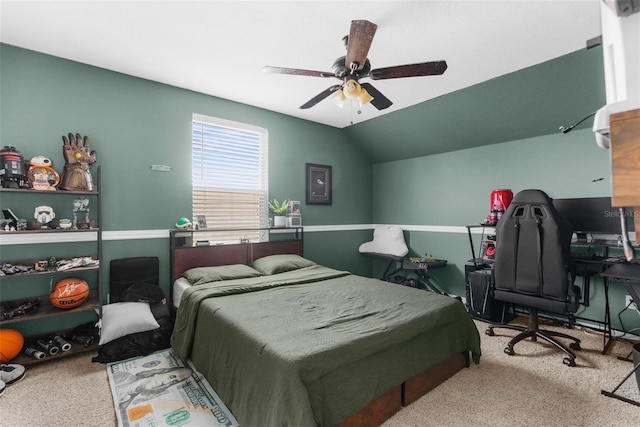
<point x="355" y="66"/>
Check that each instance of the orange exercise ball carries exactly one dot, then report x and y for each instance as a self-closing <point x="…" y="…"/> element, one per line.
<point x="11" y="342"/>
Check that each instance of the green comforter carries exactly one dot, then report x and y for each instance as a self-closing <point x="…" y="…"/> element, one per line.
<point x="311" y="346"/>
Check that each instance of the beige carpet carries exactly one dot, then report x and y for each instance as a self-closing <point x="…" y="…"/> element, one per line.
<point x="532" y="388"/>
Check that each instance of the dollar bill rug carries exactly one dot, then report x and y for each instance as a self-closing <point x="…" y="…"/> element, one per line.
<point x="162" y="390"/>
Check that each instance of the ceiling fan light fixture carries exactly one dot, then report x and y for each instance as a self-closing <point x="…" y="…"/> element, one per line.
<point x="355" y="65"/>
<point x="338" y="98"/>
<point x="364" y="97"/>
<point x="351" y="89"/>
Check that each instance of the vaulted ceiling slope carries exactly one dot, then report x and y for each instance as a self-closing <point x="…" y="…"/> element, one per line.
<point x="219" y="47"/>
<point x="532" y="102"/>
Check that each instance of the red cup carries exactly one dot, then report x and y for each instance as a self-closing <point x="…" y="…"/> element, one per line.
<point x="500" y="200"/>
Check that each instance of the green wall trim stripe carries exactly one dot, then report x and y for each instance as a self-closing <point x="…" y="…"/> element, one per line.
<point x="28" y="239"/>
<point x="80" y="236"/>
<point x="88" y="236"/>
<point x="433" y="228"/>
<point x="161" y="234"/>
<point x="353" y="227"/>
<point x="135" y="234"/>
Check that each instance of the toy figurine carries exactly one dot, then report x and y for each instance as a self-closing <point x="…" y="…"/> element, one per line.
<point x="81" y="205"/>
<point x="12" y="168"/>
<point x="41" y="174"/>
<point x="44" y="215"/>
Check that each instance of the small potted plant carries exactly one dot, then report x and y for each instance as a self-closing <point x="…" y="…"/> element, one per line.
<point x="279" y="212"/>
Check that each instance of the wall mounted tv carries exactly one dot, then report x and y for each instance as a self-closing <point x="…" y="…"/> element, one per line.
<point x="593" y="215"/>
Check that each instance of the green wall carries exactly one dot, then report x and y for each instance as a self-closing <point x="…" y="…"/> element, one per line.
<point x="133" y="123"/>
<point x="451" y="190"/>
<point x="527" y="103"/>
<point x="454" y="188"/>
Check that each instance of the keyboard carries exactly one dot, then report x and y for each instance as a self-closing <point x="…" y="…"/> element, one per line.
<point x="582" y="255"/>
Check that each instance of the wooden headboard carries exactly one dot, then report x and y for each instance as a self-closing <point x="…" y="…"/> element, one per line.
<point x="184" y="258"/>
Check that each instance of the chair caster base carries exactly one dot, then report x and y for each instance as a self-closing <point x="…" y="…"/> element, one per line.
<point x="509" y="350"/>
<point x="489" y="331"/>
<point x="575" y="346"/>
<point x="569" y="361"/>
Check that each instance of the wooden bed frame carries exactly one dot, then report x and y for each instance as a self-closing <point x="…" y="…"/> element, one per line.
<point x="380" y="409"/>
<point x="184" y="258"/>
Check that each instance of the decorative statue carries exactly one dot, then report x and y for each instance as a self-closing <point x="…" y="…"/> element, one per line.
<point x="81" y="205"/>
<point x="76" y="175"/>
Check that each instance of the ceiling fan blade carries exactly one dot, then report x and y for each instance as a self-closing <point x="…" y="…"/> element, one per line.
<point x="359" y="42"/>
<point x="296" y="72"/>
<point x="379" y="100"/>
<point x="319" y="97"/>
<point x="412" y="70"/>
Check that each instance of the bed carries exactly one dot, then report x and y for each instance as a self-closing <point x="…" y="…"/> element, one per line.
<point x="287" y="342"/>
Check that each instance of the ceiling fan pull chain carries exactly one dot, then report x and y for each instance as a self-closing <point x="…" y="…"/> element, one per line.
<point x="351" y="110"/>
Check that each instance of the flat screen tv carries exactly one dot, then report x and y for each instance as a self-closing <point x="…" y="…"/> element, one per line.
<point x="593" y="215"/>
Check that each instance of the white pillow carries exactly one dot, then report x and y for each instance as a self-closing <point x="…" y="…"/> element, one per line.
<point x="387" y="240"/>
<point x="124" y="318"/>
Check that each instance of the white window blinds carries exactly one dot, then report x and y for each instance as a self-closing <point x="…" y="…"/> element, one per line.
<point x="230" y="176"/>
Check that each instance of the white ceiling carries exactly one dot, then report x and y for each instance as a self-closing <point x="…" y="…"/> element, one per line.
<point x="219" y="47"/>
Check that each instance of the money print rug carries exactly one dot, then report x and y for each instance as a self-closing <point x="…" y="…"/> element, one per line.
<point x="162" y="390"/>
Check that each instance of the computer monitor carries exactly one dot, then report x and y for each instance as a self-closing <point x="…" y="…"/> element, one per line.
<point x="593" y="215"/>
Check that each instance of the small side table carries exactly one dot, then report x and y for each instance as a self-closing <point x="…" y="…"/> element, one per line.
<point x="420" y="269"/>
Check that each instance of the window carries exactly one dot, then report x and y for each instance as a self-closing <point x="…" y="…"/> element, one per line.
<point x="230" y="176"/>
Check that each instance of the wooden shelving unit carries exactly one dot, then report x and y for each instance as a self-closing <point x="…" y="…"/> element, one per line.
<point x="46" y="310"/>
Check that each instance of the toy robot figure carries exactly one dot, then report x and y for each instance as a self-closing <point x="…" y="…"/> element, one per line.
<point x="12" y="168"/>
<point x="80" y="205"/>
<point x="41" y="174"/>
<point x="76" y="175"/>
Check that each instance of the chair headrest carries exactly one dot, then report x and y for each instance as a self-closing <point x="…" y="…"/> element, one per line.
<point x="532" y="196"/>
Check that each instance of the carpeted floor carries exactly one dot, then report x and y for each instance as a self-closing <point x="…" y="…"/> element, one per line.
<point x="532" y="388"/>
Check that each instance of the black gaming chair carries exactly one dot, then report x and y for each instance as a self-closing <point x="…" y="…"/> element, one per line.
<point x="534" y="268"/>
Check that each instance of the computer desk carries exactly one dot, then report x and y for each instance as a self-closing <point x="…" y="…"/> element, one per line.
<point x="607" y="267"/>
<point x="629" y="274"/>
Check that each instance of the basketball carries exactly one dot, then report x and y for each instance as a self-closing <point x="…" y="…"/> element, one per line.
<point x="11" y="342"/>
<point x="69" y="293"/>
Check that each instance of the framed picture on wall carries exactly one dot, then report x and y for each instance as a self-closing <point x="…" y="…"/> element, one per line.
<point x="202" y="222"/>
<point x="318" y="184"/>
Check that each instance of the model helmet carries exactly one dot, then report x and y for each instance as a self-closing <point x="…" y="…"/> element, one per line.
<point x="184" y="224"/>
